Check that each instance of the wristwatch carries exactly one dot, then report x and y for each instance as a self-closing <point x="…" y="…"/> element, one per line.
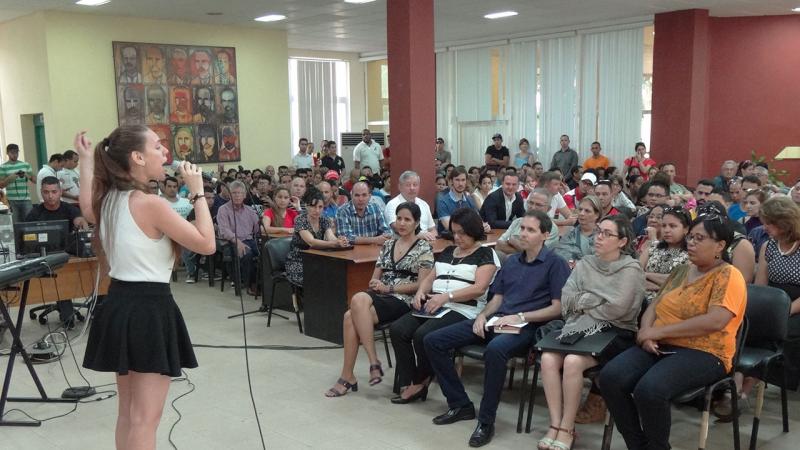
<point x="450" y="296"/>
<point x="521" y="317"/>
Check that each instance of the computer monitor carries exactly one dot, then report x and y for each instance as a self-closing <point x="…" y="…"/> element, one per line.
<point x="39" y="238"/>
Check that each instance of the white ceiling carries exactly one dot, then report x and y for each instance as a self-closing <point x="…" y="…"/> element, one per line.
<point x="335" y="25"/>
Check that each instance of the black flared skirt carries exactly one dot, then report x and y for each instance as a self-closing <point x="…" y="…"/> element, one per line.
<point x="138" y="327"/>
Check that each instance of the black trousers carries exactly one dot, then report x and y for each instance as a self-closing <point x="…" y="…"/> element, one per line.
<point x="407" y="332"/>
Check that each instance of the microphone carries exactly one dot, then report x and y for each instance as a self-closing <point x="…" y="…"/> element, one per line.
<point x="176" y="165"/>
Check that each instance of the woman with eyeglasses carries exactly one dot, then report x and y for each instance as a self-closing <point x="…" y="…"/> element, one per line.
<point x="687" y="338"/>
<point x="652" y="230"/>
<point x="580" y="239"/>
<point x="603" y="294"/>
<point x="662" y="255"/>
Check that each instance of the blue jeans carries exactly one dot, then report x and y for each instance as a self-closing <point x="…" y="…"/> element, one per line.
<point x="189" y="259"/>
<point x="499" y="349"/>
<point x="637" y="381"/>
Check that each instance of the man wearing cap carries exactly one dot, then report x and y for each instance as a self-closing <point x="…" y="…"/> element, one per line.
<point x="360" y="220"/>
<point x="441" y="155"/>
<point x="565" y="158"/>
<point x="504" y="205"/>
<point x="496" y="156"/>
<point x="341" y="194"/>
<point x="584" y="188"/>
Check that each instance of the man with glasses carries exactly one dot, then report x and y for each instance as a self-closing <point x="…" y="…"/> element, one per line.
<point x="727" y="172"/>
<point x="657" y="194"/>
<point x="441" y="154"/>
<point x="509" y="243"/>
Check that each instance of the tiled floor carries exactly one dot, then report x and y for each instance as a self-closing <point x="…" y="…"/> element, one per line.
<point x="288" y="387"/>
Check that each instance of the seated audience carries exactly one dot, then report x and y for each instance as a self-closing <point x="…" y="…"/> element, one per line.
<point x="408" y="183"/>
<point x="510" y="243"/>
<point x="780" y="268"/>
<point x="664" y="254"/>
<point x="656" y="194"/>
<point x="457" y="284"/>
<point x="740" y="253"/>
<point x="621" y="201"/>
<point x="583" y="188"/>
<point x="179" y="204"/>
<point x="579" y="241"/>
<point x="279" y="218"/>
<point x="485" y="186"/>
<point x="454" y="198"/>
<point x="360" y="221"/>
<point x="687" y="338"/>
<point x="602" y="295"/>
<point x="190" y="259"/>
<point x="311" y="230"/>
<point x="504" y="205"/>
<point x="727" y="171"/>
<point x="527" y="291"/>
<point x="243" y="237"/>
<point x="329" y="210"/>
<point x="652" y="232"/>
<point x="677" y="191"/>
<point x="639" y="161"/>
<point x="603" y="192"/>
<point x="752" y="207"/>
<point x="297" y="190"/>
<point x="400" y="265"/>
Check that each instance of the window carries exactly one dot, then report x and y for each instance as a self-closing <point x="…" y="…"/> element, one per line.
<point x="319" y="98"/>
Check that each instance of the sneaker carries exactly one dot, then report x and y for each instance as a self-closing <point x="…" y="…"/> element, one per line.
<point x="190" y="280"/>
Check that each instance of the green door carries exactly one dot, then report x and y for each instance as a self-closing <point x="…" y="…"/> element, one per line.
<point x="41" y="144"/>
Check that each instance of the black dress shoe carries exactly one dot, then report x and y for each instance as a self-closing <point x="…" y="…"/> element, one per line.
<point x="482" y="435"/>
<point x="455" y="414"/>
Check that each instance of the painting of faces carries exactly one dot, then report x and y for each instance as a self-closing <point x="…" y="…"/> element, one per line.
<point x="186" y="94"/>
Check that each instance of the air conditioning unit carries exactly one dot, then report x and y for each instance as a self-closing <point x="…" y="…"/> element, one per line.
<point x="348" y="142"/>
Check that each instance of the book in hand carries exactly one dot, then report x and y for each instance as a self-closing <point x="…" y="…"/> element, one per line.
<point x="505" y="329"/>
<point x="433" y="315"/>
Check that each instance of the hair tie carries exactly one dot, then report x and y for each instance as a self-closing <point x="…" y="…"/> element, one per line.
<point x="106" y="142"/>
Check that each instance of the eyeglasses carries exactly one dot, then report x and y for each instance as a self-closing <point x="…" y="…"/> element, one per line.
<point x="605" y="233"/>
<point x="695" y="238"/>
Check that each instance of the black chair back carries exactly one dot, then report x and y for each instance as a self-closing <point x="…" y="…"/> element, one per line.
<point x="277" y="251"/>
<point x="768" y="316"/>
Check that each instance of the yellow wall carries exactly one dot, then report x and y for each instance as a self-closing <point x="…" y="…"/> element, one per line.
<point x="81" y="77"/>
<point x="24" y="79"/>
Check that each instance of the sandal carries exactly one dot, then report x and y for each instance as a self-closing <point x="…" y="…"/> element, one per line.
<point x="372" y="368"/>
<point x="545" y="442"/>
<point x="558" y="445"/>
<point x="332" y="392"/>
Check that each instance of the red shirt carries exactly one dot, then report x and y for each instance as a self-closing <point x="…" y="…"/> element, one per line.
<point x="288" y="218"/>
<point x="633" y="162"/>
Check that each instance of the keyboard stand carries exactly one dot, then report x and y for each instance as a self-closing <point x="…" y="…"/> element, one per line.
<point x="18" y="348"/>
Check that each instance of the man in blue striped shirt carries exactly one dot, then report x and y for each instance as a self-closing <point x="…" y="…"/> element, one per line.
<point x="361" y="221"/>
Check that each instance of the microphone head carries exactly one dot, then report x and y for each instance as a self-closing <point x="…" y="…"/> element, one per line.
<point x="174" y="165"/>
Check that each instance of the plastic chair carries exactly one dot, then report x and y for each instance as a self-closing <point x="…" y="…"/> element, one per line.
<point x="767" y="314"/>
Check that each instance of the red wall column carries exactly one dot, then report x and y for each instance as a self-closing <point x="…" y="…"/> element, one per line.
<point x="412" y="90"/>
<point x="680" y="92"/>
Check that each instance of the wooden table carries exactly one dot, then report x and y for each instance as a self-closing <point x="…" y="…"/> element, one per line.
<point x="74" y="280"/>
<point x="331" y="278"/>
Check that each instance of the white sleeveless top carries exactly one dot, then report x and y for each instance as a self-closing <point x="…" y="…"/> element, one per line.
<point x="132" y="255"/>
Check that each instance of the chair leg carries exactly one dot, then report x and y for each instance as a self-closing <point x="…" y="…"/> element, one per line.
<point x="297" y="312"/>
<point x="757" y="414"/>
<point x="523" y="394"/>
<point x="532" y="396"/>
<point x="511" y="374"/>
<point x="701" y="444"/>
<point x="784" y="401"/>
<point x="271" y="305"/>
<point x="608" y="431"/>
<point x="735" y="409"/>
<point x="211" y="268"/>
<point x="386" y="348"/>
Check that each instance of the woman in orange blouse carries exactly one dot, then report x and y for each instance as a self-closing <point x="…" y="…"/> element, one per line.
<point x="687" y="338"/>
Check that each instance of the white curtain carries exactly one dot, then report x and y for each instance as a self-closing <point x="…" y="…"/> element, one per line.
<point x="474" y="137"/>
<point x="611" y="92"/>
<point x="558" y="113"/>
<point x="446" y="125"/>
<point x="316" y="100"/>
<point x="473" y="84"/>
<point x="521" y="98"/>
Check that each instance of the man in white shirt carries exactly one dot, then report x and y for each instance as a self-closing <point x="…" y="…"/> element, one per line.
<point x="69" y="178"/>
<point x="368" y="153"/>
<point x="49" y="170"/>
<point x="180" y="205"/>
<point x="408" y="184"/>
<point x="303" y="159"/>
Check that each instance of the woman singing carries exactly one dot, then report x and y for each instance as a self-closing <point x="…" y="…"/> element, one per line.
<point x="138" y="331"/>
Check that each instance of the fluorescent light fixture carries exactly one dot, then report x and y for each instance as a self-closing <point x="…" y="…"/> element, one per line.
<point x="271" y="18"/>
<point x="358" y="1"/>
<point x="92" y="2"/>
<point x="796" y="9"/>
<point x="501" y="14"/>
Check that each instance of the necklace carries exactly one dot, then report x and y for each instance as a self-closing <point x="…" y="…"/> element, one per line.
<point x="788" y="252"/>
